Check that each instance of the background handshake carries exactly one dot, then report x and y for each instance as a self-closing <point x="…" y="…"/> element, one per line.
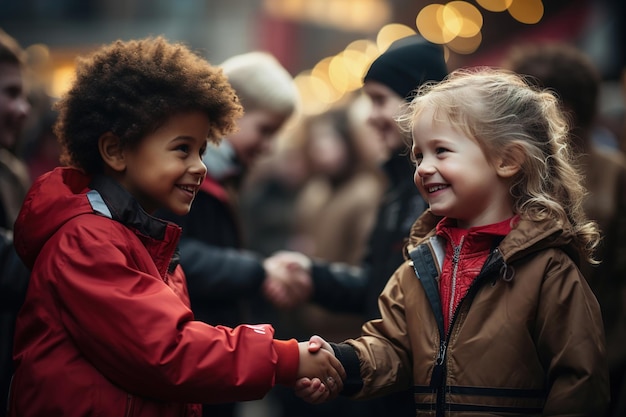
<point x="288" y="281"/>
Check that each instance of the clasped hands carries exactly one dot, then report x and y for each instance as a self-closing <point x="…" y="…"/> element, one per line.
<point x="320" y="374"/>
<point x="288" y="280"/>
<point x="288" y="284"/>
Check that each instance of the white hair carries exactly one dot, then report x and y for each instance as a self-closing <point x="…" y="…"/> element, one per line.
<point x="260" y="81"/>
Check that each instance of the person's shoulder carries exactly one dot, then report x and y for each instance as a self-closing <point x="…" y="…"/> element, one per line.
<point x="94" y="228"/>
<point x="611" y="156"/>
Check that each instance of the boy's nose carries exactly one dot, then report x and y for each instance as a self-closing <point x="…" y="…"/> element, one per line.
<point x="199" y="168"/>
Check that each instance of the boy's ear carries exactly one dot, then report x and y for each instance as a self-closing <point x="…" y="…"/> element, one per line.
<point x="510" y="164"/>
<point x="111" y="151"/>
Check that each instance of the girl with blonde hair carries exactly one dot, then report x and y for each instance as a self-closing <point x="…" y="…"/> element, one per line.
<point x="489" y="315"/>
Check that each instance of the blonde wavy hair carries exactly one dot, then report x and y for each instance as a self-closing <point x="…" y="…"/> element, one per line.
<point x="508" y="117"/>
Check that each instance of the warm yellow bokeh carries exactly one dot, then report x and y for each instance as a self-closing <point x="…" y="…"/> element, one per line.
<point x="462" y="18"/>
<point x="462" y="45"/>
<point x="390" y="33"/>
<point x="495" y="5"/>
<point x="430" y="24"/>
<point x="526" y="11"/>
<point x="360" y="15"/>
<point x="62" y="79"/>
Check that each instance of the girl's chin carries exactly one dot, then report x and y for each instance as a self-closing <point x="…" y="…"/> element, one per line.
<point x="438" y="211"/>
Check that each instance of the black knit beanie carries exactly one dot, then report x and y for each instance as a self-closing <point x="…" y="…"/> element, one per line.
<point x="407" y="64"/>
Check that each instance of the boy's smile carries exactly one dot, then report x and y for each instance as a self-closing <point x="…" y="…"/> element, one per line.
<point x="165" y="170"/>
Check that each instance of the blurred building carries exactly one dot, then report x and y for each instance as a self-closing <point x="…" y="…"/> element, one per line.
<point x="302" y="33"/>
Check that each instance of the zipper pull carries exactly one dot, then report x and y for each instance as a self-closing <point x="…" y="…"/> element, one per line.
<point x="438" y="371"/>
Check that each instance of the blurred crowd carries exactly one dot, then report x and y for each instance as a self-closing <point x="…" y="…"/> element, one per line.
<point x="322" y="191"/>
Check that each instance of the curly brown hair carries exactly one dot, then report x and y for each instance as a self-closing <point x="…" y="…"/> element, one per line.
<point x="130" y="89"/>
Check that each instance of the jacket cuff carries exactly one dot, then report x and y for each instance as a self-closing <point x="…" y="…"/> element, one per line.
<point x="346" y="354"/>
<point x="288" y="361"/>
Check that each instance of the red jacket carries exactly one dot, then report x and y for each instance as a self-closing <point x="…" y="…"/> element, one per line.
<point x="106" y="327"/>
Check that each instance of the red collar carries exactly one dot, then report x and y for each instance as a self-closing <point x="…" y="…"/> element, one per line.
<point x="214" y="188"/>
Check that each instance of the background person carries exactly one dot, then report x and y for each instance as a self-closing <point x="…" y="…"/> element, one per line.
<point x="571" y="74"/>
<point x="14" y="183"/>
<point x="390" y="83"/>
<point x="224" y="278"/>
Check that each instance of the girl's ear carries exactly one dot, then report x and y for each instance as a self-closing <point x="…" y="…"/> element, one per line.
<point x="510" y="164"/>
<point x="111" y="151"/>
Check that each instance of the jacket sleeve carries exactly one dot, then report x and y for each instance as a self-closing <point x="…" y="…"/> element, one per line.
<point x="13" y="276"/>
<point x="570" y="343"/>
<point x="215" y="273"/>
<point x="383" y="350"/>
<point x="340" y="287"/>
<point x="138" y="333"/>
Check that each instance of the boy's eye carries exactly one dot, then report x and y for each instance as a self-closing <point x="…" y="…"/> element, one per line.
<point x="183" y="148"/>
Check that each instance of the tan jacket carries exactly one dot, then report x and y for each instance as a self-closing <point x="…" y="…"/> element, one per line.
<point x="527" y="339"/>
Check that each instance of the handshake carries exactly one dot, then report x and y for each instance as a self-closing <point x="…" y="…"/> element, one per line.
<point x="288" y="282"/>
<point x="317" y="358"/>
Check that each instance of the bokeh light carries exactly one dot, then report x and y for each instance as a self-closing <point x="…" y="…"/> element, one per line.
<point x="430" y="23"/>
<point x="62" y="79"/>
<point x="456" y="25"/>
<point x="495" y="5"/>
<point x="464" y="17"/>
<point x="463" y="45"/>
<point x="526" y="11"/>
<point x="390" y="33"/>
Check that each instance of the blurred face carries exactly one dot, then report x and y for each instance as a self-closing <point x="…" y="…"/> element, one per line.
<point x="165" y="170"/>
<point x="14" y="106"/>
<point x="327" y="150"/>
<point x="386" y="105"/>
<point x="455" y="176"/>
<point x="257" y="129"/>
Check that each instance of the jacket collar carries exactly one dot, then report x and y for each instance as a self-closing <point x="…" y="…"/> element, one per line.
<point x="125" y="209"/>
<point x="160" y="237"/>
<point x="526" y="236"/>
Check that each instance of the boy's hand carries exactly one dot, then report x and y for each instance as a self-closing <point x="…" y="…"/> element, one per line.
<point x="321" y="374"/>
<point x="311" y="390"/>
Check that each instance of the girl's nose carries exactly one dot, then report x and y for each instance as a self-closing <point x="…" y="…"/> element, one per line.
<point x="425" y="168"/>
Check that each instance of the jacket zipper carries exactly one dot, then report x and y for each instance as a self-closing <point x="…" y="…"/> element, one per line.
<point x="130" y="405"/>
<point x="439" y="373"/>
<point x="456" y="257"/>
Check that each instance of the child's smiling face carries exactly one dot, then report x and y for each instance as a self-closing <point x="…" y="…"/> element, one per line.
<point x="455" y="175"/>
<point x="165" y="169"/>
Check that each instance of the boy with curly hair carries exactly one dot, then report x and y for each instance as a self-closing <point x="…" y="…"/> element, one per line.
<point x="106" y="327"/>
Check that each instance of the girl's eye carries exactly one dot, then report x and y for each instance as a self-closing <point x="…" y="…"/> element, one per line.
<point x="417" y="158"/>
<point x="441" y="150"/>
<point x="203" y="151"/>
